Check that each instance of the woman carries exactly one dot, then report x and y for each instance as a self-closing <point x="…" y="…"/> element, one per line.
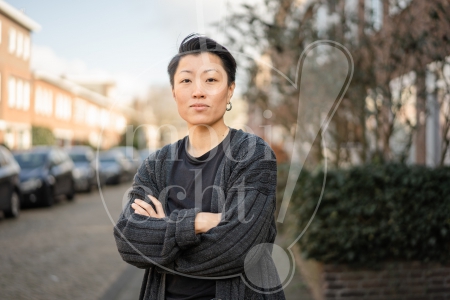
<point x="200" y="205"/>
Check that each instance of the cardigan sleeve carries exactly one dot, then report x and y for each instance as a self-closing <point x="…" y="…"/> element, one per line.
<point x="248" y="221"/>
<point x="145" y="241"/>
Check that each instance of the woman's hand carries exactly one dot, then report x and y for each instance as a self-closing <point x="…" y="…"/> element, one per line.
<point x="143" y="208"/>
<point x="204" y="221"/>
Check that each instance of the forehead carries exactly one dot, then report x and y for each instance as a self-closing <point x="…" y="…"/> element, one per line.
<point x="202" y="61"/>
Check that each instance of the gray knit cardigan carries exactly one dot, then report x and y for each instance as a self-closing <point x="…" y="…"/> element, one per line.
<point x="245" y="195"/>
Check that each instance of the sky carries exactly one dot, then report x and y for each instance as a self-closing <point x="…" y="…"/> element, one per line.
<point x="129" y="41"/>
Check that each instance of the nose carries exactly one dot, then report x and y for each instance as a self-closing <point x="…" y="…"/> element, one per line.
<point x="198" y="92"/>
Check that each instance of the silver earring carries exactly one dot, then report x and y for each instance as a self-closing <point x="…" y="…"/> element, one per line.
<point x="231" y="106"/>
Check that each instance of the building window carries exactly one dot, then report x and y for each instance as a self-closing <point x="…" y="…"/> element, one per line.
<point x="18" y="93"/>
<point x="11" y="92"/>
<point x="38" y="99"/>
<point x="80" y="110"/>
<point x="92" y="115"/>
<point x="9" y="138"/>
<point x="26" y="47"/>
<point x="26" y="95"/>
<point x="104" y="118"/>
<point x="43" y="104"/>
<point x="12" y="40"/>
<point x="121" y="123"/>
<point x="19" y="50"/>
<point x="63" y="109"/>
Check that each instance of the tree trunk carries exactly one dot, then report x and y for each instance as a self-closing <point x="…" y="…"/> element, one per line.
<point x="421" y="117"/>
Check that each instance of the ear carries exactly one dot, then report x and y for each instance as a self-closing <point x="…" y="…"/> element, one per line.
<point x="231" y="90"/>
<point x="173" y="95"/>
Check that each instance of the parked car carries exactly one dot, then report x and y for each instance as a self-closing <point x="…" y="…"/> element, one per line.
<point x="10" y="195"/>
<point x="46" y="172"/>
<point x="144" y="153"/>
<point x="132" y="155"/>
<point x="115" y="167"/>
<point x="84" y="172"/>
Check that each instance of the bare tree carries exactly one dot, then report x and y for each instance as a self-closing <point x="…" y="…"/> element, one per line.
<point x="384" y="110"/>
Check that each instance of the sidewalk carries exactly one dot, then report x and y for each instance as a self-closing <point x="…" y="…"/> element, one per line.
<point x="128" y="285"/>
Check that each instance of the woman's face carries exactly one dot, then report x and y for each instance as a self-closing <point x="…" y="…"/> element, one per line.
<point x="200" y="89"/>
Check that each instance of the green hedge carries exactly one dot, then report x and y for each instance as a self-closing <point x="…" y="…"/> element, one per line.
<point x="42" y="136"/>
<point x="372" y="214"/>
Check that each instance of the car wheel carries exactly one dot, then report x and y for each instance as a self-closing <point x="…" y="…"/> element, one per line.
<point x="71" y="195"/>
<point x="49" y="198"/>
<point x="89" y="187"/>
<point x="14" y="208"/>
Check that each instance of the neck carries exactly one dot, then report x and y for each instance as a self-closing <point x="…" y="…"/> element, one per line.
<point x="202" y="139"/>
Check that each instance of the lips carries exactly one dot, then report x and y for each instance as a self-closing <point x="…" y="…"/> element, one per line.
<point x="199" y="105"/>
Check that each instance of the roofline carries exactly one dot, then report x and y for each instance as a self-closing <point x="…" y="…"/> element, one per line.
<point x="19" y="16"/>
<point x="82" y="92"/>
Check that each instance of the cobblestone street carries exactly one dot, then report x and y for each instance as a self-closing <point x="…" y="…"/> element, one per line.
<point x="64" y="252"/>
<point x="68" y="252"/>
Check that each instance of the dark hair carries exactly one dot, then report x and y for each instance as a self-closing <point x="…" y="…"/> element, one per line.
<point x="195" y="44"/>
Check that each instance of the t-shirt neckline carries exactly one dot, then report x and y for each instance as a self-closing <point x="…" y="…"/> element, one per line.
<point x="204" y="157"/>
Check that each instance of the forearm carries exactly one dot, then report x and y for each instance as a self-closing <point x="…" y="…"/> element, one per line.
<point x="204" y="221"/>
<point x="150" y="241"/>
<point x="223" y="249"/>
<point x="145" y="241"/>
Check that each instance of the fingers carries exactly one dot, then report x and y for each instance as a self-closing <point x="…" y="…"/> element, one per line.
<point x="159" y="209"/>
<point x="139" y="210"/>
<point x="144" y="208"/>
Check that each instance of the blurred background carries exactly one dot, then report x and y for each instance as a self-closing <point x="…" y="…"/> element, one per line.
<point x="352" y="95"/>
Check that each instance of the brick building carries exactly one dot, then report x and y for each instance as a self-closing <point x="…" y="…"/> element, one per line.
<point x="75" y="112"/>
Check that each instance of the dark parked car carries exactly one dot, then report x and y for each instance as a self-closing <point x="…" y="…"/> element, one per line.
<point x="85" y="174"/>
<point x="10" y="194"/>
<point x="115" y="167"/>
<point x="132" y="155"/>
<point x="46" y="172"/>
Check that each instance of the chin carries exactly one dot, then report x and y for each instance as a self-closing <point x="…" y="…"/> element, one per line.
<point x="202" y="121"/>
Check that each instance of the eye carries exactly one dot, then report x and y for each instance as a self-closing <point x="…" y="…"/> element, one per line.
<point x="211" y="80"/>
<point x="185" y="81"/>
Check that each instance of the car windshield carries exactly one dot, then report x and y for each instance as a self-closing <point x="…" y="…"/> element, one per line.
<point x="129" y="153"/>
<point x="108" y="160"/>
<point x="31" y="160"/>
<point x="78" y="157"/>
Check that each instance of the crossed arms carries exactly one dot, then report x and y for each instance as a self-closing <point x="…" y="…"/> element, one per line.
<point x="195" y="243"/>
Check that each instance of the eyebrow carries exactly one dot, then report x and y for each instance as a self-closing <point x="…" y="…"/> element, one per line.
<point x="208" y="70"/>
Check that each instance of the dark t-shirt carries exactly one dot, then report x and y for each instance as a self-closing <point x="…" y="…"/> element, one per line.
<point x="193" y="178"/>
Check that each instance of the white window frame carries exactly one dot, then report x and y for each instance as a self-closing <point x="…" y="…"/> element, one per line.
<point x="63" y="108"/>
<point x="26" y="47"/>
<point x="26" y="95"/>
<point x="38" y="99"/>
<point x="19" y="94"/>
<point x="12" y="40"/>
<point x="11" y="92"/>
<point x="81" y="109"/>
<point x="48" y="102"/>
<point x="19" y="50"/>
